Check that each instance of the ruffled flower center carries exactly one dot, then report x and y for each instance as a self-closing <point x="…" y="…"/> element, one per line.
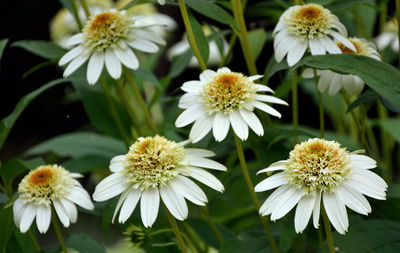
<point x="308" y="21"/>
<point x="227" y="91"/>
<point x="46" y="183"/>
<point x="317" y="165"/>
<point x="106" y="29"/>
<point x="153" y="162"/>
<point x="360" y="45"/>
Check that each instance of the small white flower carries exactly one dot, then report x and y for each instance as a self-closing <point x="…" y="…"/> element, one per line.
<point x="335" y="81"/>
<point x="310" y="26"/>
<point x="108" y="39"/>
<point x="155" y="167"/>
<point x="45" y="186"/>
<point x="389" y="36"/>
<point x="223" y="98"/>
<point x="162" y="2"/>
<point x="319" y="170"/>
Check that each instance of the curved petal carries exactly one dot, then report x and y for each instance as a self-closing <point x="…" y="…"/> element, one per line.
<point x="271" y="182"/>
<point x="336" y="211"/>
<point x="207" y="75"/>
<point x="297" y="51"/>
<point x="201" y="128"/>
<point x="143" y="45"/>
<point x="303" y="212"/>
<point x="189" y="190"/>
<point x="149" y="205"/>
<point x="75" y="64"/>
<point x="79" y="196"/>
<point x="354" y="200"/>
<point x="286" y="203"/>
<point x="191" y="114"/>
<point x="206" y="163"/>
<point x="27" y="217"/>
<point x="280" y="165"/>
<point x="175" y="202"/>
<point x="70" y="55"/>
<point x="266" y="108"/>
<point x="18" y="210"/>
<point x="316" y="46"/>
<point x="220" y="126"/>
<point x="110" y="187"/>
<point x="61" y="213"/>
<point x="317" y="210"/>
<point x="239" y="126"/>
<point x="95" y="66"/>
<point x="270" y="99"/>
<point x="127" y="57"/>
<point x="206" y="178"/>
<point x="113" y="65"/>
<point x="43" y="216"/>
<point x="70" y="209"/>
<point x="129" y="205"/>
<point x="252" y="121"/>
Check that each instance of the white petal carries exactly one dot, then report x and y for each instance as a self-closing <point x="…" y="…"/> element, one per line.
<point x="383" y="40"/>
<point x="317" y="210"/>
<point x="266" y="108"/>
<point x="70" y="209"/>
<point x="223" y="70"/>
<point x="261" y="87"/>
<point x="286" y="203"/>
<point x="27" y="217"/>
<point x="325" y="79"/>
<point x="252" y="120"/>
<point x="113" y="65"/>
<point x="189" y="190"/>
<point x="127" y="57"/>
<point x="201" y="127"/>
<point x="61" y="213"/>
<point x="270" y="99"/>
<point x="280" y="165"/>
<point x="190" y="115"/>
<point x="43" y="216"/>
<point x="152" y="36"/>
<point x="129" y="205"/>
<point x="336" y="211"/>
<point x="188" y="99"/>
<point x="329" y="45"/>
<point x="255" y="77"/>
<point x="206" y="163"/>
<point x="75" y="64"/>
<point x="343" y="40"/>
<point x="339" y="26"/>
<point x="220" y="126"/>
<point x="206" y="178"/>
<point x="18" y="209"/>
<point x="76" y="39"/>
<point x="199" y="152"/>
<point x="143" y="45"/>
<point x="335" y="84"/>
<point x="271" y="182"/>
<point x="354" y="200"/>
<point x="117" y="163"/>
<point x="239" y="126"/>
<point x="207" y="75"/>
<point x="149" y="204"/>
<point x="308" y="73"/>
<point x="75" y="175"/>
<point x="95" y="66"/>
<point x="79" y="196"/>
<point x="110" y="187"/>
<point x="362" y="161"/>
<point x="174" y="202"/>
<point x="283" y="48"/>
<point x="273" y="200"/>
<point x="296" y="52"/>
<point x="70" y="55"/>
<point x="303" y="212"/>
<point x="192" y="86"/>
<point x="316" y="46"/>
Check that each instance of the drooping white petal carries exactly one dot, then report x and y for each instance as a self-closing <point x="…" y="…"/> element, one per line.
<point x="190" y="115"/>
<point x="271" y="182"/>
<point x="18" y="210"/>
<point x="70" y="55"/>
<point x="27" y="218"/>
<point x="127" y="57"/>
<point x="189" y="190"/>
<point x="43" y="216"/>
<point x="265" y="88"/>
<point x="266" y="108"/>
<point x="336" y="211"/>
<point x="174" y="201"/>
<point x="317" y="210"/>
<point x="343" y="40"/>
<point x="239" y="126"/>
<point x="199" y="152"/>
<point x="297" y="51"/>
<point x="362" y="161"/>
<point x="188" y="99"/>
<point x="270" y="99"/>
<point x="95" y="66"/>
<point x="143" y="45"/>
<point x="335" y="84"/>
<point x="280" y="165"/>
<point x="113" y="65"/>
<point x="207" y="75"/>
<point x="354" y="200"/>
<point x="192" y="86"/>
<point x="152" y="36"/>
<point x="149" y="204"/>
<point x="129" y="205"/>
<point x="110" y="187"/>
<point x="206" y="178"/>
<point x="316" y="46"/>
<point x="119" y="203"/>
<point x="337" y="24"/>
<point x="303" y="212"/>
<point x="70" y="209"/>
<point x="116" y="163"/>
<point x="329" y="45"/>
<point x="324" y="80"/>
<point x="75" y="64"/>
<point x="286" y="203"/>
<point x="252" y="121"/>
<point x="206" y="163"/>
<point x="73" y="40"/>
<point x="273" y="199"/>
<point x="283" y="48"/>
<point x="79" y="196"/>
<point x="201" y="127"/>
<point x="255" y="77"/>
<point x="61" y="213"/>
<point x="220" y="126"/>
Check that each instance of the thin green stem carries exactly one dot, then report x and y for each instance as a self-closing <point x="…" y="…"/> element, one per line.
<point x="320" y="106"/>
<point x="328" y="231"/>
<point x="243" y="37"/>
<point x="114" y="112"/>
<point x="142" y="104"/>
<point x="398" y="23"/>
<point x="75" y="14"/>
<point x="295" y="104"/>
<point x="250" y="186"/>
<point x="225" y="57"/>
<point x="210" y="222"/>
<point x="176" y="230"/>
<point x="386" y="140"/>
<point x="85" y="8"/>
<point x="35" y="243"/>
<point x="56" y="226"/>
<point x="190" y="34"/>
<point x="193" y="241"/>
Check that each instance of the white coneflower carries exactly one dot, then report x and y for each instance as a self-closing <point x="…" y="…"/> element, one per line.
<point x="108" y="38"/>
<point x="389" y="36"/>
<point x="309" y="26"/>
<point x="154" y="167"/>
<point x="43" y="187"/>
<point x="162" y="2"/>
<point x="351" y="83"/>
<point x="223" y="98"/>
<point x="319" y="169"/>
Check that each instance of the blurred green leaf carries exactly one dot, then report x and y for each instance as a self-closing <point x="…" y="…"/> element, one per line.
<point x="393" y="191"/>
<point x="7" y="123"/>
<point x="367" y="96"/>
<point x="211" y="10"/>
<point x="86" y="163"/>
<point x="12" y="168"/>
<point x="84" y="244"/>
<point x="37" y="67"/>
<point x="201" y="39"/>
<point x="3" y="44"/>
<point x="147" y="75"/>
<point x="257" y="39"/>
<point x="256" y="245"/>
<point x="392" y="126"/>
<point x="7" y="227"/>
<point x="179" y="63"/>
<point x="45" y="49"/>
<point x="273" y="67"/>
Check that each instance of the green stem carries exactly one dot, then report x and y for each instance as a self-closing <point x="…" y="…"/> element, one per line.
<point x="192" y="240"/>
<point x="75" y="14"/>
<point x="210" y="222"/>
<point x="328" y="231"/>
<point x="85" y="8"/>
<point x="114" y="112"/>
<point x="250" y="186"/>
<point x="58" y="230"/>
<point x="320" y="106"/>
<point x="295" y="104"/>
<point x="176" y="230"/>
<point x="398" y="23"/>
<point x="243" y="37"/>
<point x="385" y="139"/>
<point x="142" y="104"/>
<point x="35" y="243"/>
<point x="225" y="57"/>
<point x="190" y="34"/>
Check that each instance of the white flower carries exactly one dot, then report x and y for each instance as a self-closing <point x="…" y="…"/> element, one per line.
<point x="335" y="81"/>
<point x="310" y="26"/>
<point x="221" y="99"/>
<point x="319" y="170"/>
<point x="389" y="36"/>
<point x="108" y="38"/>
<point x="45" y="186"/>
<point x="162" y="2"/>
<point x="154" y="167"/>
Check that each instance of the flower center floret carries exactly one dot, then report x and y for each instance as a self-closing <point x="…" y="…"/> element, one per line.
<point x="106" y="29"/>
<point x="153" y="162"/>
<point x="46" y="183"/>
<point x="308" y="21"/>
<point x="360" y="45"/>
<point x="317" y="165"/>
<point x="227" y="91"/>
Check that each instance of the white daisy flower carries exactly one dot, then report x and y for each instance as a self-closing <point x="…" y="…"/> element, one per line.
<point x="309" y="26"/>
<point x="319" y="170"/>
<point x="223" y="98"/>
<point x="108" y="38"/>
<point x="155" y="167"/>
<point x="351" y="83"/>
<point x="43" y="187"/>
<point x="162" y="2"/>
<point x="389" y="36"/>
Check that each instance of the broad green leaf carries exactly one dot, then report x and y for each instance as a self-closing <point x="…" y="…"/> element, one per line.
<point x="79" y="144"/>
<point x="7" y="123"/>
<point x="392" y="126"/>
<point x="201" y="39"/>
<point x="45" y="49"/>
<point x="257" y="39"/>
<point x="86" y="163"/>
<point x="7" y="227"/>
<point x="84" y="244"/>
<point x="367" y="96"/>
<point x="3" y="44"/>
<point x="136" y="2"/>
<point x="273" y="67"/>
<point x="380" y="76"/>
<point x="211" y="10"/>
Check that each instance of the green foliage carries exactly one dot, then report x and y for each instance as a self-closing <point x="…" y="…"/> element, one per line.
<point x="212" y="10"/>
<point x="257" y="39"/>
<point x="3" y="44"/>
<point x="201" y="39"/>
<point x="45" y="49"/>
<point x="84" y="244"/>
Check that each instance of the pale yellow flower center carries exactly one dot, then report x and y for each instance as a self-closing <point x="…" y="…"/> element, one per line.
<point x="317" y="165"/>
<point x="153" y="162"/>
<point x="227" y="91"/>
<point x="360" y="45"/>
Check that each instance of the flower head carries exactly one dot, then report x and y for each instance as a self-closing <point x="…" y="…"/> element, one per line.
<point x="309" y="26"/>
<point x="108" y="38"/>
<point x="389" y="36"/>
<point x="136" y="236"/>
<point x="221" y="99"/>
<point x="319" y="169"/>
<point x="44" y="186"/>
<point x="154" y="167"/>
<point x="351" y="83"/>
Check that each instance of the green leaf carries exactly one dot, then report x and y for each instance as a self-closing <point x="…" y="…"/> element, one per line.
<point x="84" y="244"/>
<point x="273" y="67"/>
<point x="211" y="10"/>
<point x="7" y="227"/>
<point x="367" y="96"/>
<point x="86" y="163"/>
<point x="392" y="126"/>
<point x="201" y="39"/>
<point x="79" y="144"/>
<point x="257" y="39"/>
<point x="246" y="245"/>
<point x="12" y="168"/>
<point x="7" y="123"/>
<point x="37" y="67"/>
<point x="147" y="75"/>
<point x="179" y="63"/>
<point x="3" y="44"/>
<point x="45" y="49"/>
<point x="393" y="191"/>
<point x="383" y="79"/>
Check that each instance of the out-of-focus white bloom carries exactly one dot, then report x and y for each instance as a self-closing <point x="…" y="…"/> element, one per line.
<point x="390" y="36"/>
<point x="162" y="2"/>
<point x="334" y="81"/>
<point x="309" y="26"/>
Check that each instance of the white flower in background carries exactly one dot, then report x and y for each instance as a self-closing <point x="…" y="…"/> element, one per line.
<point x="335" y="81"/>
<point x="223" y="98"/>
<point x="154" y="167"/>
<point x="46" y="186"/>
<point x="63" y="25"/>
<point x="310" y="26"/>
<point x="389" y="36"/>
<point x="162" y="2"/>
<point x="319" y="170"/>
<point x="215" y="55"/>
<point x="108" y="39"/>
